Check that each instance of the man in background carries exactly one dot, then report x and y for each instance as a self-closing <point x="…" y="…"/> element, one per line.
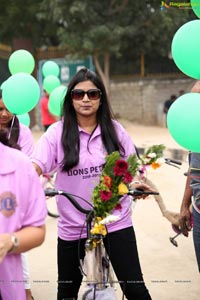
<point x="168" y="103"/>
<point x="47" y="117"/>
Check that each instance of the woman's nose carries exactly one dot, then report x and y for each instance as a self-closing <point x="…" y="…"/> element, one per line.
<point x="4" y="112"/>
<point x="85" y="98"/>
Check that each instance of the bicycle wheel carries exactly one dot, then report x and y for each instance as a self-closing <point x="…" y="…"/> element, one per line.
<point x="103" y="294"/>
<point x="99" y="275"/>
<point x="51" y="214"/>
<point x="48" y="183"/>
<point x="52" y="207"/>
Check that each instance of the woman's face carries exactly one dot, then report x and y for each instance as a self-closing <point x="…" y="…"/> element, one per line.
<point x="84" y="105"/>
<point x="5" y="115"/>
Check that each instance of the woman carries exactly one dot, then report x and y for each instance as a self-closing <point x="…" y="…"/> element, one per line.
<point x="22" y="217"/>
<point x="77" y="146"/>
<point x="20" y="136"/>
<point x="18" y="133"/>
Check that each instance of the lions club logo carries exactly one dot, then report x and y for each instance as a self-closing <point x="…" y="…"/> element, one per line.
<point x="7" y="204"/>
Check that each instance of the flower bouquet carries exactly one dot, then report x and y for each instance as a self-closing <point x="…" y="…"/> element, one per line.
<point x="114" y="182"/>
<point x="116" y="176"/>
<point x="153" y="157"/>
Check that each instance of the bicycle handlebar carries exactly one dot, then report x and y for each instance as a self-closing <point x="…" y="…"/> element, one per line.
<point x="173" y="162"/>
<point x="131" y="192"/>
<point x="52" y="193"/>
<point x="139" y="192"/>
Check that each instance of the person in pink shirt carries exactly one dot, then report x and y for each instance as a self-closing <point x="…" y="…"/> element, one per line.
<point x="76" y="147"/>
<point x="20" y="136"/>
<point x="18" y="133"/>
<point x="47" y="117"/>
<point x="22" y="217"/>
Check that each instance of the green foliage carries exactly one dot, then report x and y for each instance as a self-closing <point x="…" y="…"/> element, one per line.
<point x="158" y="149"/>
<point x="152" y="155"/>
<point x="123" y="28"/>
<point x="26" y="19"/>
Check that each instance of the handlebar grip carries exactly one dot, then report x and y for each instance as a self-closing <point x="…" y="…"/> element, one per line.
<point x="51" y="192"/>
<point x="139" y="192"/>
<point x="173" y="161"/>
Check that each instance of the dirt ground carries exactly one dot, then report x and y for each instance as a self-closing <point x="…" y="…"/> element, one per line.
<point x="170" y="272"/>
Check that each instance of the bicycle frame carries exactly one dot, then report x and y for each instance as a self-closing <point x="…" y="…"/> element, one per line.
<point x="97" y="266"/>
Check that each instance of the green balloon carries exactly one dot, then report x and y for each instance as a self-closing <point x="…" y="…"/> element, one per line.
<point x="196" y="7"/>
<point x="24" y="119"/>
<point x="50" y="68"/>
<point x="21" y="61"/>
<point x="56" y="100"/>
<point x="186" y="48"/>
<point x="21" y="93"/>
<point x="50" y="83"/>
<point x="183" y="121"/>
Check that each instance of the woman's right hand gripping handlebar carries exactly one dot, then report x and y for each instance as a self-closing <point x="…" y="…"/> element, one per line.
<point x="140" y="190"/>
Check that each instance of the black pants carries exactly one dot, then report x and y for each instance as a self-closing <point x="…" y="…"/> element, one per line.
<point x="122" y="249"/>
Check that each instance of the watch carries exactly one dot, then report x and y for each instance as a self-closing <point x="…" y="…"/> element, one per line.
<point x="15" y="243"/>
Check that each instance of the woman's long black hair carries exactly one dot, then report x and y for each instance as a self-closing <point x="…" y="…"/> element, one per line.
<point x="4" y="140"/>
<point x="13" y="129"/>
<point x="70" y="135"/>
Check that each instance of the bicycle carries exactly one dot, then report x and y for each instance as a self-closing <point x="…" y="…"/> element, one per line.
<point x="96" y="267"/>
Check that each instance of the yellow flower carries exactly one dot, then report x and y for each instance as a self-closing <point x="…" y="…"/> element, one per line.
<point x="98" y="228"/>
<point x="122" y="189"/>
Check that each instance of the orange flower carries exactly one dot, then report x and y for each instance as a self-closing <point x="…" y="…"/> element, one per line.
<point x="155" y="165"/>
<point x="107" y="180"/>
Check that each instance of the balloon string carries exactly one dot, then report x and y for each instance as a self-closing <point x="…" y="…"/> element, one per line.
<point x="13" y="119"/>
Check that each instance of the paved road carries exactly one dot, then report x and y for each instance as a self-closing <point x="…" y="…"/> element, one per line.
<point x="170" y="272"/>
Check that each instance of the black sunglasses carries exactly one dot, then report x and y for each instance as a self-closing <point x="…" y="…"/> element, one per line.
<point x="93" y="94"/>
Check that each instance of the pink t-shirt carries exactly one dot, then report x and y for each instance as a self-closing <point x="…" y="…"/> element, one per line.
<point x="22" y="203"/>
<point x="26" y="140"/>
<point x="81" y="179"/>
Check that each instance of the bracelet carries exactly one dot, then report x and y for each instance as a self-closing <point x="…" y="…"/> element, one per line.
<point x="136" y="182"/>
<point x="15" y="243"/>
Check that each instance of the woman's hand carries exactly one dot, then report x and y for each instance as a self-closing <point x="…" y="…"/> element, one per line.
<point x="5" y="245"/>
<point x="143" y="186"/>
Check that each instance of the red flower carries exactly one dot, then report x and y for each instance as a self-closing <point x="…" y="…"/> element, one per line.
<point x="107" y="181"/>
<point x="118" y="206"/>
<point x="105" y="195"/>
<point x="128" y="177"/>
<point x="120" y="168"/>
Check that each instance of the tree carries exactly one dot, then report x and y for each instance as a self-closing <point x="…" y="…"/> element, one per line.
<point x="27" y="20"/>
<point x="113" y="27"/>
<point x="103" y="29"/>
